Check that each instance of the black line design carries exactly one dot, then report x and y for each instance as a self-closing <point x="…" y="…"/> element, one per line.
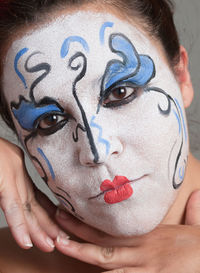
<point x="75" y="135"/>
<point x="42" y="66"/>
<point x="64" y="192"/>
<point x="166" y="113"/>
<point x="125" y="69"/>
<point x="67" y="202"/>
<point x="84" y="118"/>
<point x="45" y="178"/>
<point x="170" y="155"/>
<point x="65" y="199"/>
<point x="47" y="68"/>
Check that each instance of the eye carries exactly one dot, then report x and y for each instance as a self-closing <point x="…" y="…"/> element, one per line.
<point x="120" y="95"/>
<point x="50" y="120"/>
<point x="50" y="123"/>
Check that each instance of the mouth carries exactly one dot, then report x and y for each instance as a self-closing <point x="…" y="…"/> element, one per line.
<point x="117" y="190"/>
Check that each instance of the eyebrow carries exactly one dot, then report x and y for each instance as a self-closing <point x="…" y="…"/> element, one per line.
<point x="27" y="112"/>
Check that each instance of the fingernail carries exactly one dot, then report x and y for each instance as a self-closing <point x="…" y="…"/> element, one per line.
<point x="50" y="242"/>
<point x="27" y="241"/>
<point x="63" y="239"/>
<point x="61" y="214"/>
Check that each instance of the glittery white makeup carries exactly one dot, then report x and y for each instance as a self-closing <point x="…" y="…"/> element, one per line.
<point x="102" y="118"/>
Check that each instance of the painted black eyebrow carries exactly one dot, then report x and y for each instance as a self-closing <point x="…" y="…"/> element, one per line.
<point x="48" y="101"/>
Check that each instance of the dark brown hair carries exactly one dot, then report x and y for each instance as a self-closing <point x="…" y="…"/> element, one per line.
<point x="156" y="16"/>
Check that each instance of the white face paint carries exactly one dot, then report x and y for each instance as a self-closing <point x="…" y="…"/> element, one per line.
<point x="103" y="126"/>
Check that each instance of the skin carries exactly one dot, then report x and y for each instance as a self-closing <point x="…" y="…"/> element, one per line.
<point x="147" y="243"/>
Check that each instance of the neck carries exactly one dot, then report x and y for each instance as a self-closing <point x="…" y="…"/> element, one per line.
<point x="176" y="214"/>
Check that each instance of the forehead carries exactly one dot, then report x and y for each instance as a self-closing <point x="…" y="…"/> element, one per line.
<point x="86" y="32"/>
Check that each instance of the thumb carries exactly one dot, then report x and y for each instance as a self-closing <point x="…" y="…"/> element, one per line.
<point x="193" y="209"/>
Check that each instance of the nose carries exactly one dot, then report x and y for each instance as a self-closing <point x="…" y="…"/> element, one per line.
<point x="104" y="148"/>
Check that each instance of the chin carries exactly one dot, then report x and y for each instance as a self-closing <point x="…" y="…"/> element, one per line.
<point x="126" y="228"/>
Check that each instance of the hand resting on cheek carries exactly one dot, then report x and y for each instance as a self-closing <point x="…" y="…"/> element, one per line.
<point x="27" y="210"/>
<point x="168" y="248"/>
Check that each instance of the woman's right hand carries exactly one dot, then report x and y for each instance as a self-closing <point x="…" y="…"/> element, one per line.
<point x="27" y="211"/>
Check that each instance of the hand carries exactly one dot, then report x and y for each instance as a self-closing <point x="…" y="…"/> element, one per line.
<point x="23" y="204"/>
<point x="167" y="249"/>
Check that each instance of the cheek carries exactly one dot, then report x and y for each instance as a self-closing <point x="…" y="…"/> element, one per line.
<point x="54" y="154"/>
<point x="148" y="134"/>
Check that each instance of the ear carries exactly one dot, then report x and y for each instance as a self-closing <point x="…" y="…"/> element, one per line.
<point x="183" y="78"/>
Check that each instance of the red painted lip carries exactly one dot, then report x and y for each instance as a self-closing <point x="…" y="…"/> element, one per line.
<point x="117" y="190"/>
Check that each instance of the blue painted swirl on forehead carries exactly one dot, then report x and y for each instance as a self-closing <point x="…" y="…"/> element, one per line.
<point x="103" y="29"/>
<point x="66" y="44"/>
<point x="17" y="58"/>
<point x="28" y="113"/>
<point x="135" y="68"/>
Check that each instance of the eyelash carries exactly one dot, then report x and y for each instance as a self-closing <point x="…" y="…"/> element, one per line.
<point x="119" y="102"/>
<point x="52" y="128"/>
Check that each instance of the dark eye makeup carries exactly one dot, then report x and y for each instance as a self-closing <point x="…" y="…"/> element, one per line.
<point x="120" y="95"/>
<point x="50" y="123"/>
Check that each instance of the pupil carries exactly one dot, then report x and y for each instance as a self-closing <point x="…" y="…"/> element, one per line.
<point x="120" y="93"/>
<point x="51" y="120"/>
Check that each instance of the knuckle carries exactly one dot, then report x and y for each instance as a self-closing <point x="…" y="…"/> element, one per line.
<point x="27" y="207"/>
<point x="12" y="208"/>
<point x="18" y="226"/>
<point x="106" y="255"/>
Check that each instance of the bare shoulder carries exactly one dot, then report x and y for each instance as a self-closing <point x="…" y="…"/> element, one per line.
<point x="15" y="259"/>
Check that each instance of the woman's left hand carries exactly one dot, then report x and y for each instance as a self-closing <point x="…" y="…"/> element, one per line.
<point x="167" y="249"/>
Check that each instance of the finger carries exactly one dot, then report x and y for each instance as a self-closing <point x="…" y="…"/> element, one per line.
<point x="79" y="229"/>
<point x="128" y="270"/>
<point x="193" y="209"/>
<point x="45" y="202"/>
<point x="105" y="257"/>
<point x="14" y="214"/>
<point x="45" y="221"/>
<point x="37" y="234"/>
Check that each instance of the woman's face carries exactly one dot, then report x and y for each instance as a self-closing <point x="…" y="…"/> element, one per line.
<point x="101" y="115"/>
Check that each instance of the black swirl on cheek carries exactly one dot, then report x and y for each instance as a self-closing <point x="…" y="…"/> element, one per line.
<point x="166" y="112"/>
<point x="33" y="158"/>
<point x="44" y="177"/>
<point x="67" y="203"/>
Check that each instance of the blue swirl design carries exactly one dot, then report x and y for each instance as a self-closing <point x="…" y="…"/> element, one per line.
<point x="181" y="173"/>
<point x="28" y="113"/>
<point x="102" y="31"/>
<point x="100" y="139"/>
<point x="135" y="68"/>
<point x="179" y="121"/>
<point x="184" y="124"/>
<point x="178" y="112"/>
<point x="17" y="58"/>
<point x="66" y="44"/>
<point x="48" y="163"/>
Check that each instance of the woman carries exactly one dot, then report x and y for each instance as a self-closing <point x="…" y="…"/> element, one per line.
<point x="83" y="96"/>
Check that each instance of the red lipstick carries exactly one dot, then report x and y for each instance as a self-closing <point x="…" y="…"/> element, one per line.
<point x="117" y="190"/>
